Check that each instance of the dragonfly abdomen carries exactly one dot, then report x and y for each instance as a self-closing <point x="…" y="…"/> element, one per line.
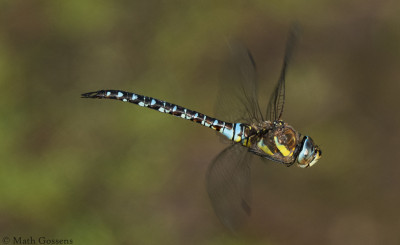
<point x="232" y="131"/>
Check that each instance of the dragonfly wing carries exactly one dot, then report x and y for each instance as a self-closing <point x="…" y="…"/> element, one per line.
<point x="228" y="185"/>
<point x="277" y="100"/>
<point x="237" y="97"/>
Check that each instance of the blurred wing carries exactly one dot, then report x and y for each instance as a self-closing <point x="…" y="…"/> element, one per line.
<point x="228" y="186"/>
<point x="237" y="97"/>
<point x="277" y="100"/>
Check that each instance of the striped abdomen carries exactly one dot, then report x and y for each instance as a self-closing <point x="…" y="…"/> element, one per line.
<point x="233" y="131"/>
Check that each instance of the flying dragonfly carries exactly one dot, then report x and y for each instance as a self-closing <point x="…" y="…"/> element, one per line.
<point x="252" y="133"/>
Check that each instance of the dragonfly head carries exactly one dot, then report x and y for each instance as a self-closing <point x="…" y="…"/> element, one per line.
<point x="309" y="153"/>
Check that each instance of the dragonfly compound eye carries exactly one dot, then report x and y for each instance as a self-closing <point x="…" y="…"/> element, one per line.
<point x="309" y="154"/>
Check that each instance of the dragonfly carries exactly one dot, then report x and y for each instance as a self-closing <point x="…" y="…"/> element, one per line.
<point x="252" y="134"/>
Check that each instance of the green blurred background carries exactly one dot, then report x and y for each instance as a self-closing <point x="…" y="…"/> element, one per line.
<point x="103" y="172"/>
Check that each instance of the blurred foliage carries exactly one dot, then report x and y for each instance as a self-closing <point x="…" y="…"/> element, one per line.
<point x="102" y="172"/>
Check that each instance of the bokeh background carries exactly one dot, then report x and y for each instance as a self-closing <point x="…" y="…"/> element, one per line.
<point x="104" y="172"/>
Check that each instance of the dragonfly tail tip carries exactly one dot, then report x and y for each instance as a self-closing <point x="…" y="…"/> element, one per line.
<point x="90" y="95"/>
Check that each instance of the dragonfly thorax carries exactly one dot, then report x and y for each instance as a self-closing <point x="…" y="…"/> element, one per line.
<point x="276" y="141"/>
<point x="280" y="142"/>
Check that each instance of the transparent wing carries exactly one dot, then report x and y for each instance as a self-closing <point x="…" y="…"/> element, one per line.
<point x="277" y="100"/>
<point x="228" y="185"/>
<point x="237" y="97"/>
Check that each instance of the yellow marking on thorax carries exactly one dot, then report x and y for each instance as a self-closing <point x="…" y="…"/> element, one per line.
<point x="264" y="147"/>
<point x="246" y="142"/>
<point x="249" y="140"/>
<point x="285" y="152"/>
